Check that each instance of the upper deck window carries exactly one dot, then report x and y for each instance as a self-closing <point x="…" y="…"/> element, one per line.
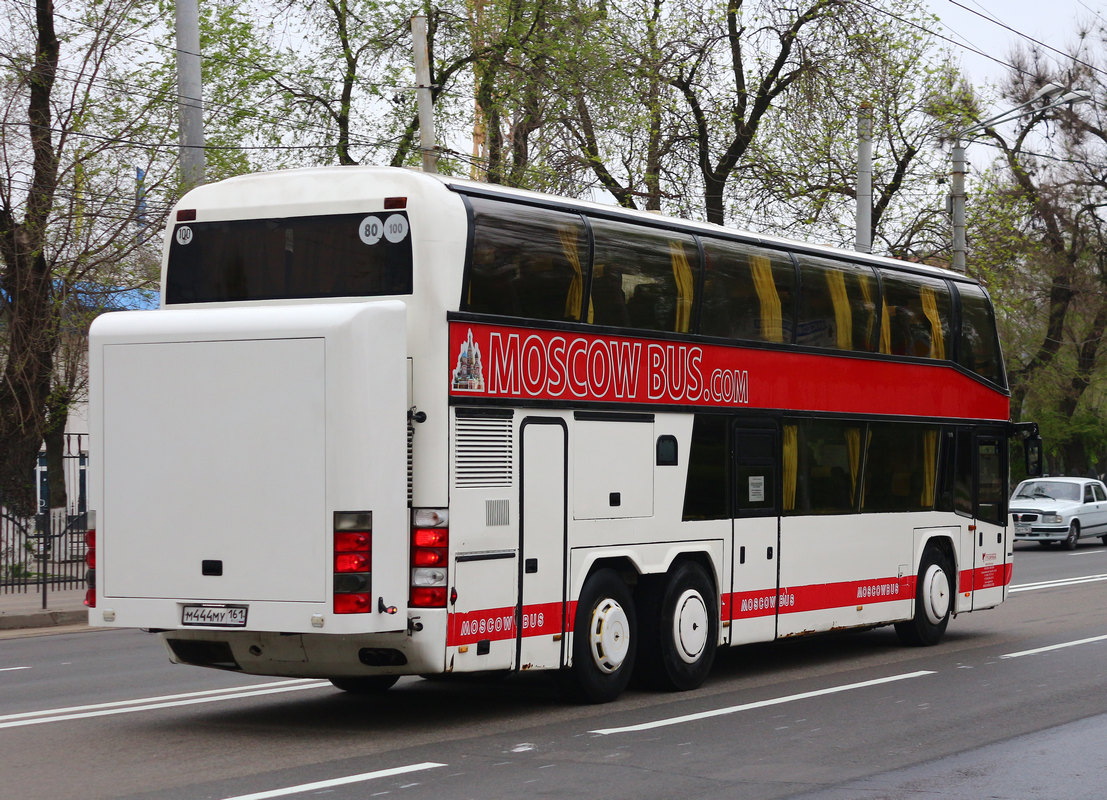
<point x="837" y="305"/>
<point x="346" y="255"/>
<point x="643" y="277"/>
<point x="526" y="262"/>
<point x="916" y="314"/>
<point x="979" y="350"/>
<point x="747" y="292"/>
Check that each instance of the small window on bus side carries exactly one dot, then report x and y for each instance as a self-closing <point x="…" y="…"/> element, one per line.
<point x="705" y="487"/>
<point x="979" y="351"/>
<point x="643" y="277"/>
<point x="822" y="466"/>
<point x="901" y="468"/>
<point x="525" y="261"/>
<point x="837" y="306"/>
<point x="747" y="292"/>
<point x="915" y="319"/>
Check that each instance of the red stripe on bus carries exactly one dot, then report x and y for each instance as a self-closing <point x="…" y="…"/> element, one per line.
<point x="496" y="624"/>
<point x="489" y="361"/>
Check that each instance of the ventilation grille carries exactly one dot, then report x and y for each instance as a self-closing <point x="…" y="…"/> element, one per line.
<point x="497" y="512"/>
<point x="482" y="452"/>
<point x="410" y="463"/>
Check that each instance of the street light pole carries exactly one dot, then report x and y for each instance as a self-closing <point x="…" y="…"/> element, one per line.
<point x="1051" y="92"/>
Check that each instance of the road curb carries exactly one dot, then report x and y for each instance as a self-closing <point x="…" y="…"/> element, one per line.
<point x="42" y="619"/>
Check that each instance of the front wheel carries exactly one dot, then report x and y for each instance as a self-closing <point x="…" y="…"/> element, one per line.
<point x="604" y="641"/>
<point x="370" y="684"/>
<point x="933" y="600"/>
<point x="680" y="630"/>
<point x="1073" y="537"/>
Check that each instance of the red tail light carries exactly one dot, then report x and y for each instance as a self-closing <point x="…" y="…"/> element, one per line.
<point x="90" y="560"/>
<point x="430" y="551"/>
<point x="353" y="562"/>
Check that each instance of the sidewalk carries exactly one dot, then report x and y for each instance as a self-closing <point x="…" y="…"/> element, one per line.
<point x="63" y="607"/>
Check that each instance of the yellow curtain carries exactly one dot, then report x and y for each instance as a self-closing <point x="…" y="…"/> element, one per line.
<point x="843" y="315"/>
<point x="568" y="237"/>
<point x="868" y="441"/>
<point x="853" y="449"/>
<point x="772" y="323"/>
<point x="686" y="287"/>
<point x="791" y="464"/>
<point x="885" y="329"/>
<point x="870" y="308"/>
<point x="930" y="468"/>
<point x="930" y="309"/>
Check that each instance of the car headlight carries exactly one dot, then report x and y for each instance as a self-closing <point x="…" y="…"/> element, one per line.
<point x="1052" y="519"/>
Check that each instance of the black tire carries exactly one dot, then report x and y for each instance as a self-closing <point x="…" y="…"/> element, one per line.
<point x="678" y="629"/>
<point x="370" y="684"/>
<point x="605" y="638"/>
<point x="1073" y="537"/>
<point x="933" y="600"/>
<point x="1103" y="538"/>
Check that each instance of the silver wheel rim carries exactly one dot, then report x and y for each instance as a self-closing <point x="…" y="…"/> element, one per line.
<point x="935" y="594"/>
<point x="690" y="626"/>
<point x="609" y="636"/>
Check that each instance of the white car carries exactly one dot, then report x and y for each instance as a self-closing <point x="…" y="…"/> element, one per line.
<point x="1047" y="510"/>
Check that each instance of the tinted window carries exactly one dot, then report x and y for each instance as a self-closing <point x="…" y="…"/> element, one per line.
<point x="755" y="460"/>
<point x="991" y="502"/>
<point x="643" y="278"/>
<point x="349" y="255"/>
<point x="822" y="465"/>
<point x="705" y="488"/>
<point x="837" y="306"/>
<point x="901" y="468"/>
<point x="525" y="262"/>
<point x="916" y="316"/>
<point x="747" y="292"/>
<point x="979" y="350"/>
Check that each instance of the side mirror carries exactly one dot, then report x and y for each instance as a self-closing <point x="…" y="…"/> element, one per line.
<point x="1032" y="450"/>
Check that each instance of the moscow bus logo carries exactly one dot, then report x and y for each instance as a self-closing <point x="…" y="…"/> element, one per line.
<point x="469" y="374"/>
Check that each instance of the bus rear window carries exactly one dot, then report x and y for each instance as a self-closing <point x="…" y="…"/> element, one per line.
<point x="347" y="255"/>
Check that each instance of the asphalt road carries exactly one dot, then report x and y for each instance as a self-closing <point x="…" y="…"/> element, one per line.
<point x="1011" y="705"/>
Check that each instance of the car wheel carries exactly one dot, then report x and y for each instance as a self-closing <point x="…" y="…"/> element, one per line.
<point x="1074" y="535"/>
<point x="933" y="600"/>
<point x="679" y="630"/>
<point x="371" y="684"/>
<point x="604" y="638"/>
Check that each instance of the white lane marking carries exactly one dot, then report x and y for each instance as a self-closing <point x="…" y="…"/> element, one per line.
<point x="1029" y="587"/>
<point x="718" y="712"/>
<point x="12" y="669"/>
<point x="311" y="787"/>
<point x="1037" y="650"/>
<point x="153" y="703"/>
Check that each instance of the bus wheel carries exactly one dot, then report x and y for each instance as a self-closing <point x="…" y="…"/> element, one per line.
<point x="933" y="600"/>
<point x="680" y="630"/>
<point x="604" y="640"/>
<point x="371" y="684"/>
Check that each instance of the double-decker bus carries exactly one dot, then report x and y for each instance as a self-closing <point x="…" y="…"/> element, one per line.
<point x="387" y="423"/>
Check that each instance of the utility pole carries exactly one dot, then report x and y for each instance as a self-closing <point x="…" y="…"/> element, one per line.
<point x="864" y="238"/>
<point x="189" y="94"/>
<point x="957" y="202"/>
<point x="423" y="94"/>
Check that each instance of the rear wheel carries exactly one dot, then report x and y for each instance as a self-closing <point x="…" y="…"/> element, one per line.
<point x="933" y="600"/>
<point x="370" y="684"/>
<point x="1074" y="535"/>
<point x="679" y="630"/>
<point x="604" y="637"/>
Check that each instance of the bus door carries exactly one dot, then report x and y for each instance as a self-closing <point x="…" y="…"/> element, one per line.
<point x="540" y="614"/>
<point x="755" y="455"/>
<point x="990" y="542"/>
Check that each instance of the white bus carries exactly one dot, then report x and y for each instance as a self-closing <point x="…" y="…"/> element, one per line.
<point x="387" y="423"/>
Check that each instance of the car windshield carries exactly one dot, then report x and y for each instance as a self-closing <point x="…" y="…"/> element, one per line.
<point x="1050" y="490"/>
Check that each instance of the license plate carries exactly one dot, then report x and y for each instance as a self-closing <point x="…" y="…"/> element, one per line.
<point x="1022" y="528"/>
<point x="221" y="616"/>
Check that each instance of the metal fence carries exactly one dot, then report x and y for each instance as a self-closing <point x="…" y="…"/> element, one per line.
<point x="42" y="553"/>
